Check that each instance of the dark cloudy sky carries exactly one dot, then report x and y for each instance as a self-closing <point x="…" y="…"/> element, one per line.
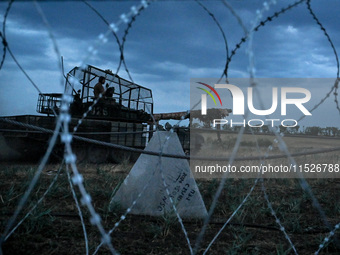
<point x="169" y="43"/>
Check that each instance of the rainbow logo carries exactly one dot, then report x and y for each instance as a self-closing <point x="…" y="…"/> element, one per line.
<point x="209" y="93"/>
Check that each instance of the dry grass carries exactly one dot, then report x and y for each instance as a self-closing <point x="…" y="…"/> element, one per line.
<point x="54" y="227"/>
<point x="261" y="146"/>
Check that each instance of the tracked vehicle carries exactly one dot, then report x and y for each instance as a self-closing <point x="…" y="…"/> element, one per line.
<point x="122" y="117"/>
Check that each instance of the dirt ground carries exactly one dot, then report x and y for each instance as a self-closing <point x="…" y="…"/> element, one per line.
<point x="54" y="227"/>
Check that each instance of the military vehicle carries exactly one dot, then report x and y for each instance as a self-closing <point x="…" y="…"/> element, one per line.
<point x="121" y="116"/>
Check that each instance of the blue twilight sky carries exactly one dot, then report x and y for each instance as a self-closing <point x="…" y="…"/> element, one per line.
<point x="169" y="43"/>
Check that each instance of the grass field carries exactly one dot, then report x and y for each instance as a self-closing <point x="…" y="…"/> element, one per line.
<point x="54" y="226"/>
<point x="254" y="147"/>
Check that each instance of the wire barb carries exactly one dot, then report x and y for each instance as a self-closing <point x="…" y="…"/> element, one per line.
<point x="61" y="130"/>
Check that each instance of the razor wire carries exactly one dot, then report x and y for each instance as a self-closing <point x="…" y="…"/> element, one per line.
<point x="334" y="51"/>
<point x="266" y="154"/>
<point x="304" y="184"/>
<point x="63" y="119"/>
<point x="327" y="238"/>
<point x="219" y="27"/>
<point x="103" y="38"/>
<point x="277" y="220"/>
<point x="174" y="207"/>
<point x="77" y="178"/>
<point x="136" y="12"/>
<point x="70" y="159"/>
<point x="21" y="68"/>
<point x="234" y="152"/>
<point x="282" y="145"/>
<point x="35" y="179"/>
<point x="128" y="210"/>
<point x="66" y="139"/>
<point x="231" y="216"/>
<point x="3" y="34"/>
<point x="170" y="198"/>
<point x="37" y="203"/>
<point x="124" y="18"/>
<point x="79" y="209"/>
<point x="256" y="27"/>
<point x="169" y="155"/>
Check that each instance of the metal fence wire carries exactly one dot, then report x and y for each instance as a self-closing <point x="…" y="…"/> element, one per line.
<point x="61" y="129"/>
